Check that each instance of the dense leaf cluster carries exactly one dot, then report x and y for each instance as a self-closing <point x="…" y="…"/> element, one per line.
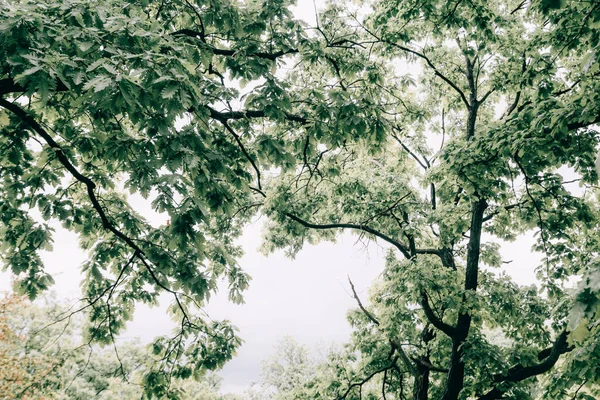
<point x="440" y="128"/>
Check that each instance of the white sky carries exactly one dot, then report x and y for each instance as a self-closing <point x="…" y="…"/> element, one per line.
<point x="306" y="298"/>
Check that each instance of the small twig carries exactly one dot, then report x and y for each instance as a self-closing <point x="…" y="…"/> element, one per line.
<point x="364" y="310"/>
<point x="425" y="165"/>
<point x="243" y="148"/>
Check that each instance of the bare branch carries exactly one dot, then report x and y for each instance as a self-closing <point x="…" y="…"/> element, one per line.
<point x="425" y="165"/>
<point x="519" y="7"/>
<point x="403" y="249"/>
<point x="259" y="191"/>
<point x="360" y="305"/>
<point x="246" y="154"/>
<point x="485" y="96"/>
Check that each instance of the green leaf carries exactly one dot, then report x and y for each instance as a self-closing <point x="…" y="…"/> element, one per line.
<point x="169" y="92"/>
<point x="98" y="83"/>
<point x="30" y="71"/>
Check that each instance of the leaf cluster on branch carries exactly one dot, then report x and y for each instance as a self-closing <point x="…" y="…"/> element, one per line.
<point x="439" y="128"/>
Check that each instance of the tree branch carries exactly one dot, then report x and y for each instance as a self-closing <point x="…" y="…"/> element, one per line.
<point x="434" y="68"/>
<point x="360" y="305"/>
<point x="90" y="186"/>
<point x="519" y="373"/>
<point x="429" y="366"/>
<point x="367" y="379"/>
<point x="235" y="115"/>
<point x="425" y="165"/>
<point x="519" y="7"/>
<point x="403" y="248"/>
<point x="485" y="96"/>
<point x="426" y="59"/>
<point x="515" y="103"/>
<point x="433" y="318"/>
<point x="577" y="125"/>
<point x="243" y="148"/>
<point x="8" y="85"/>
<point x="227" y="52"/>
<point x="395" y="345"/>
<point x="506" y="208"/>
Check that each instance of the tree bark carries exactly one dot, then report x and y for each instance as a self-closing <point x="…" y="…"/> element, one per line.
<point x="456" y="373"/>
<point x="421" y="387"/>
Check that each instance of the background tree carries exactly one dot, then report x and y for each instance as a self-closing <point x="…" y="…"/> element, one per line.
<point x="43" y="356"/>
<point x="471" y="147"/>
<point x="24" y="372"/>
<point x="289" y="368"/>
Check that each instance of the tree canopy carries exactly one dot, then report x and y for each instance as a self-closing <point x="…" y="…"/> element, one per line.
<point x="438" y="127"/>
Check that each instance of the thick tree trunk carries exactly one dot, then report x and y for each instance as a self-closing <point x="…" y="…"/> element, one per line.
<point x="456" y="373"/>
<point x="421" y="388"/>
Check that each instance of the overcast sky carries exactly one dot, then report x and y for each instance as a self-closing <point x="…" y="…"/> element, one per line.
<point x="306" y="298"/>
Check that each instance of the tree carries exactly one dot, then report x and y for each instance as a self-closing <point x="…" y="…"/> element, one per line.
<point x="43" y="356"/>
<point x="24" y="372"/>
<point x="96" y="97"/>
<point x="476" y="143"/>
<point x="289" y="368"/>
<point x="328" y="133"/>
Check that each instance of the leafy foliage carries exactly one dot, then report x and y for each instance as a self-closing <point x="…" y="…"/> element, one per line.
<point x="24" y="371"/>
<point x="482" y="142"/>
<point x="43" y="357"/>
<point x="289" y="368"/>
<point x="437" y="127"/>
